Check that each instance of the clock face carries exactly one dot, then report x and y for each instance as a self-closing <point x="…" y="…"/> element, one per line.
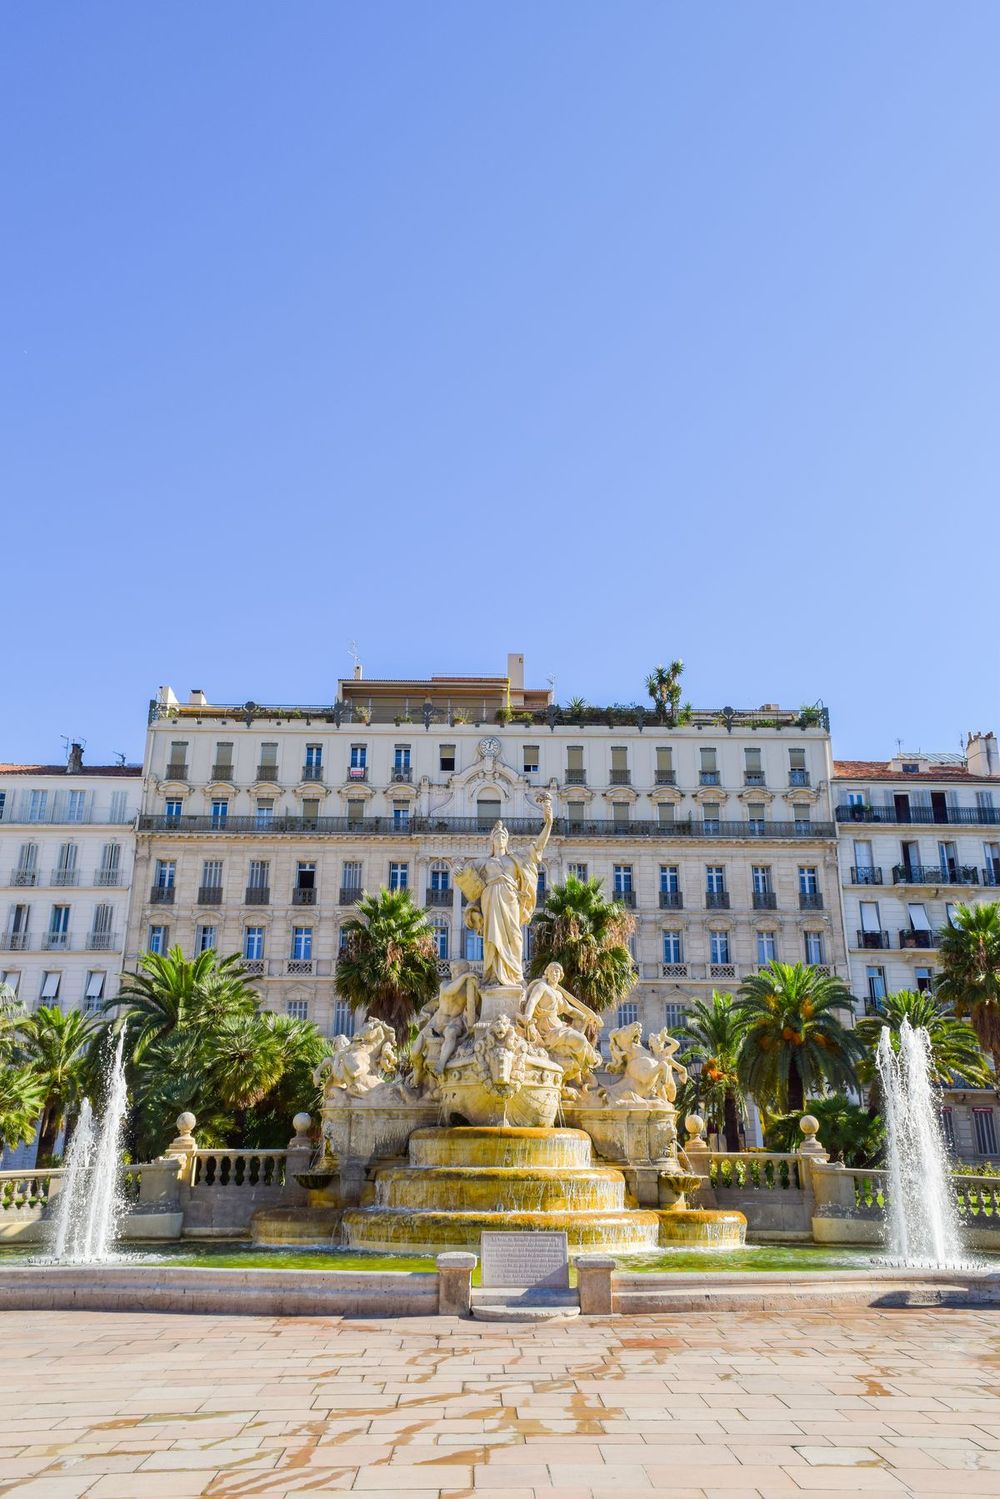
<point x="490" y="745"/>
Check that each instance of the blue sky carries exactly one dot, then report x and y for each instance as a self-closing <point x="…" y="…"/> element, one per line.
<point x="607" y="333"/>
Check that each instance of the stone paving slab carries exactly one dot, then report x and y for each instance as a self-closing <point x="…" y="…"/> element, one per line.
<point x="699" y="1405"/>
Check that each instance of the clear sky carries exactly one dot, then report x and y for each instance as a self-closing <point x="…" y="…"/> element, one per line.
<point x="605" y="332"/>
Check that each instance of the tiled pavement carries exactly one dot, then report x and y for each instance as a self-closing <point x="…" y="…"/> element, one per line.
<point x="122" y="1406"/>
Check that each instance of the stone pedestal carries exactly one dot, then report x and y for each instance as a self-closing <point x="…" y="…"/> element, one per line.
<point x="455" y="1284"/>
<point x="593" y="1279"/>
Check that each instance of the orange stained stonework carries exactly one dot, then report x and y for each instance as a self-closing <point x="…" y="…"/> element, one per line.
<point x="702" y="1406"/>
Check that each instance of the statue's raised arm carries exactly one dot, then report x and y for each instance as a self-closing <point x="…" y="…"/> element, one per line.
<point x="545" y="802"/>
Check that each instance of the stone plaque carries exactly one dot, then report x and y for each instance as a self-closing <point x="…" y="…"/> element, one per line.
<point x="525" y="1259"/>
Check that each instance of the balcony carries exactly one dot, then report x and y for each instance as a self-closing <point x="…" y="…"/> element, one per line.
<point x="620" y="778"/>
<point x="933" y="874"/>
<point x="709" y="778"/>
<point x="873" y="939"/>
<point x="436" y="897"/>
<point x="298" y="967"/>
<point x="161" y="895"/>
<point x="798" y="778"/>
<point x="257" y="895"/>
<point x="910" y="937"/>
<point x="666" y="778"/>
<point x="312" y="773"/>
<point x="991" y="876"/>
<point x="253" y="967"/>
<point x="716" y="900"/>
<point x="108" y="877"/>
<point x="765" y="900"/>
<point x="15" y="941"/>
<point x="222" y="770"/>
<point x="65" y="877"/>
<point x="102" y="941"/>
<point x="722" y="971"/>
<point x="664" y="832"/>
<point x="921" y="816"/>
<point x="576" y="778"/>
<point x="754" y="778"/>
<point x="626" y="898"/>
<point x="357" y="772"/>
<point x="350" y="895"/>
<point x="176" y="772"/>
<point x="671" y="900"/>
<point x="267" y="772"/>
<point x="810" y="900"/>
<point x="867" y="875"/>
<point x="56" y="942"/>
<point x="210" y="895"/>
<point x="401" y="775"/>
<point x="673" y="970"/>
<point x="304" y="896"/>
<point x="23" y="877"/>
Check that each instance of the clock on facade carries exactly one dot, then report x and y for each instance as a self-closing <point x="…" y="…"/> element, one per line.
<point x="490" y="746"/>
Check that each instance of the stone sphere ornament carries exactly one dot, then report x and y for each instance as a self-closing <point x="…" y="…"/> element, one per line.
<point x="302" y="1123"/>
<point x="694" y="1126"/>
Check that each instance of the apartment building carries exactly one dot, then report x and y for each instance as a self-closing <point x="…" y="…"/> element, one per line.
<point x="67" y="836"/>
<point x="918" y="834"/>
<point x="261" y="825"/>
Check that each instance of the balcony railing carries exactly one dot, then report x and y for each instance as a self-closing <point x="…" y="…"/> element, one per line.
<point x="65" y="877"/>
<point x="671" y="900"/>
<point x="909" y="937"/>
<point x="626" y="898"/>
<point x="716" y="900"/>
<point x="436" y="897"/>
<point x="222" y="770"/>
<point x="709" y="778"/>
<point x="257" y="895"/>
<point x="102" y="941"/>
<point x="516" y="826"/>
<point x="666" y="778"/>
<point x="24" y="877"/>
<point x="357" y="772"/>
<point x="312" y="772"/>
<point x="106" y="877"/>
<point x="991" y="876"/>
<point x="754" y="778"/>
<point x="866" y="875"/>
<point x="933" y="874"/>
<point x="304" y="896"/>
<point x="620" y="778"/>
<point x="576" y="777"/>
<point x="210" y="895"/>
<point x="810" y="900"/>
<point x="15" y="941"/>
<point x="765" y="900"/>
<point x="176" y="772"/>
<point x="161" y="895"/>
<point x="56" y="941"/>
<point x="937" y="816"/>
<point x="401" y="774"/>
<point x="873" y="939"/>
<point x="267" y="772"/>
<point x="350" y="894"/>
<point x="298" y="967"/>
<point x="798" y="778"/>
<point x="673" y="970"/>
<point x="253" y="967"/>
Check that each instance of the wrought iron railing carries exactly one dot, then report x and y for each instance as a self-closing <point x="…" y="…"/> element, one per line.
<point x="940" y="816"/>
<point x="517" y="826"/>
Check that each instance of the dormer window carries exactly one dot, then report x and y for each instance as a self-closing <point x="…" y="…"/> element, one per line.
<point x="910" y="768"/>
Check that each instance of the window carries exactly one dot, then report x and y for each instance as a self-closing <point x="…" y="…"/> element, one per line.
<point x="3" y="803"/>
<point x="355" y="811"/>
<point x="767" y="949"/>
<point x="761" y="877"/>
<point x="984" y="801"/>
<point x="268" y="757"/>
<point x="530" y="759"/>
<point x="446" y="757"/>
<point x="50" y="985"/>
<point x="305" y="876"/>
<point x="664" y="764"/>
<point x="675" y="1014"/>
<point x="950" y="913"/>
<point x="314" y="757"/>
<point x="863" y="863"/>
<point x="540" y="883"/>
<point x="856" y="799"/>
<point x="487" y="811"/>
<point x="755" y="816"/>
<point x="709" y="767"/>
<point x="110" y="870"/>
<point x="948" y="1127"/>
<point x="574" y="757"/>
<point x="11" y="979"/>
<point x="718" y="944"/>
<point x="473" y="947"/>
<point x="302" y="942"/>
<point x="876" y="984"/>
<point x="100" y="933"/>
<point x="665" y="813"/>
<point x="808" y="882"/>
<point x="119" y="806"/>
<point x="672" y="947"/>
<point x="264" y="813"/>
<point x="669" y="879"/>
<point x="173" y="806"/>
<point x="310" y="809"/>
<point x="802" y="819"/>
<point x="984" y="1124"/>
<point x="399" y="876"/>
<point x="76" y="806"/>
<point x="401" y="814"/>
<point x="710" y="814"/>
<point x="351" y="874"/>
<point x="259" y="874"/>
<point x="871" y="921"/>
<point x="577" y="872"/>
<point x="924" y="979"/>
<point x="343" y="1019"/>
<point x="297" y="1009"/>
<point x="211" y="874"/>
<point x="910" y="767"/>
<point x="359" y="757"/>
<point x="94" y="990"/>
<point x="204" y="938"/>
<point x="798" y="775"/>
<point x="158" y="939"/>
<point x="59" y="926"/>
<point x="19" y="923"/>
<point x="619" y="765"/>
<point x="401" y="757"/>
<point x="178" y="756"/>
<point x="27" y="865"/>
<point x="622" y="878"/>
<point x="753" y="768"/>
<point x="253" y="943"/>
<point x="574" y="814"/>
<point x="917" y="912"/>
<point x="343" y="937"/>
<point x="814" y="947"/>
<point x="628" y="1013"/>
<point x="220" y="811"/>
<point x="440" y="877"/>
<point x="715" y="879"/>
<point x="441" y="939"/>
<point x="37" y="805"/>
<point x="223" y="767"/>
<point x="619" y="814"/>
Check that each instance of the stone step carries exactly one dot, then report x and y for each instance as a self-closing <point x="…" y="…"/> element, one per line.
<point x="523" y="1304"/>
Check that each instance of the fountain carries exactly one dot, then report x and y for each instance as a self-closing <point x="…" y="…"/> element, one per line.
<point x="88" y="1206"/>
<point x="465" y="1139"/>
<point x="921" y="1214"/>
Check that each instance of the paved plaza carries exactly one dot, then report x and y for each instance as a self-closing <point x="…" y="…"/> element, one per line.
<point x="121" y="1406"/>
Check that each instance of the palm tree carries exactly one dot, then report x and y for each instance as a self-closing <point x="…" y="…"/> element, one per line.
<point x="56" y="1045"/>
<point x="588" y="935"/>
<point x="955" y="1049"/>
<point x="22" y="1098"/>
<point x="388" y="965"/>
<point x="713" y="1033"/>
<point x="794" y="1041"/>
<point x="664" y="686"/>
<point x="969" y="981"/>
<point x="171" y="992"/>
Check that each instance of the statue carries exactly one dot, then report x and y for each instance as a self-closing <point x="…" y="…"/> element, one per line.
<point x="444" y="1023"/>
<point x="646" y="1075"/>
<point x="502" y="893"/>
<point x="500" y="1054"/>
<point x="360" y="1063"/>
<point x="545" y="1005"/>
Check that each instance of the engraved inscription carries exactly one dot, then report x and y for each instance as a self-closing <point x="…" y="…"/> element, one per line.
<point x="525" y="1259"/>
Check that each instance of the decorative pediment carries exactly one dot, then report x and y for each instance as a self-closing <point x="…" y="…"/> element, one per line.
<point x="801" y="796"/>
<point x="620" y="794"/>
<point x="666" y="794"/>
<point x="355" y="791"/>
<point x="576" y="795"/>
<point x="758" y="794"/>
<point x="714" y="795"/>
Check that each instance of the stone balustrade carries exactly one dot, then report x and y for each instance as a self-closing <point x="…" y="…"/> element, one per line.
<point x="24" y="1196"/>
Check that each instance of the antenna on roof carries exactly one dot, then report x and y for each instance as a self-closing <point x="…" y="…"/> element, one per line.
<point x="552" y="683"/>
<point x="69" y="742"/>
<point x="899" y="747"/>
<point x="352" y="651"/>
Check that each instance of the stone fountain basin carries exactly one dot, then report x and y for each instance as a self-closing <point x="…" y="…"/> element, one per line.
<point x="316" y="1180"/>
<point x="681" y="1181"/>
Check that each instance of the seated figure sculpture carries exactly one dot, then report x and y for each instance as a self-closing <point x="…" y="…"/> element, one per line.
<point x="444" y="1023"/>
<point x="360" y="1063"/>
<point x="545" y="1004"/>
<point x="646" y="1075"/>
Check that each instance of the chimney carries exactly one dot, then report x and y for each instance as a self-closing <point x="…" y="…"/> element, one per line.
<point x="197" y="698"/>
<point x="359" y="671"/>
<point x="515" y="671"/>
<point x="74" y="765"/>
<point x="982" y="755"/>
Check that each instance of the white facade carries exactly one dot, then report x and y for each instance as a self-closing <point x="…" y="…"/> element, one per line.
<point x="260" y="826"/>
<point x="67" y="839"/>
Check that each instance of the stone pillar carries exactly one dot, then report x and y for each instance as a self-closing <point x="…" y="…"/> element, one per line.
<point x="832" y="1188"/>
<point x="455" y="1283"/>
<point x="299" y="1159"/>
<point x="699" y="1158"/>
<point x="159" y="1185"/>
<point x="593" y="1278"/>
<point x="813" y="1154"/>
<point x="184" y="1145"/>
